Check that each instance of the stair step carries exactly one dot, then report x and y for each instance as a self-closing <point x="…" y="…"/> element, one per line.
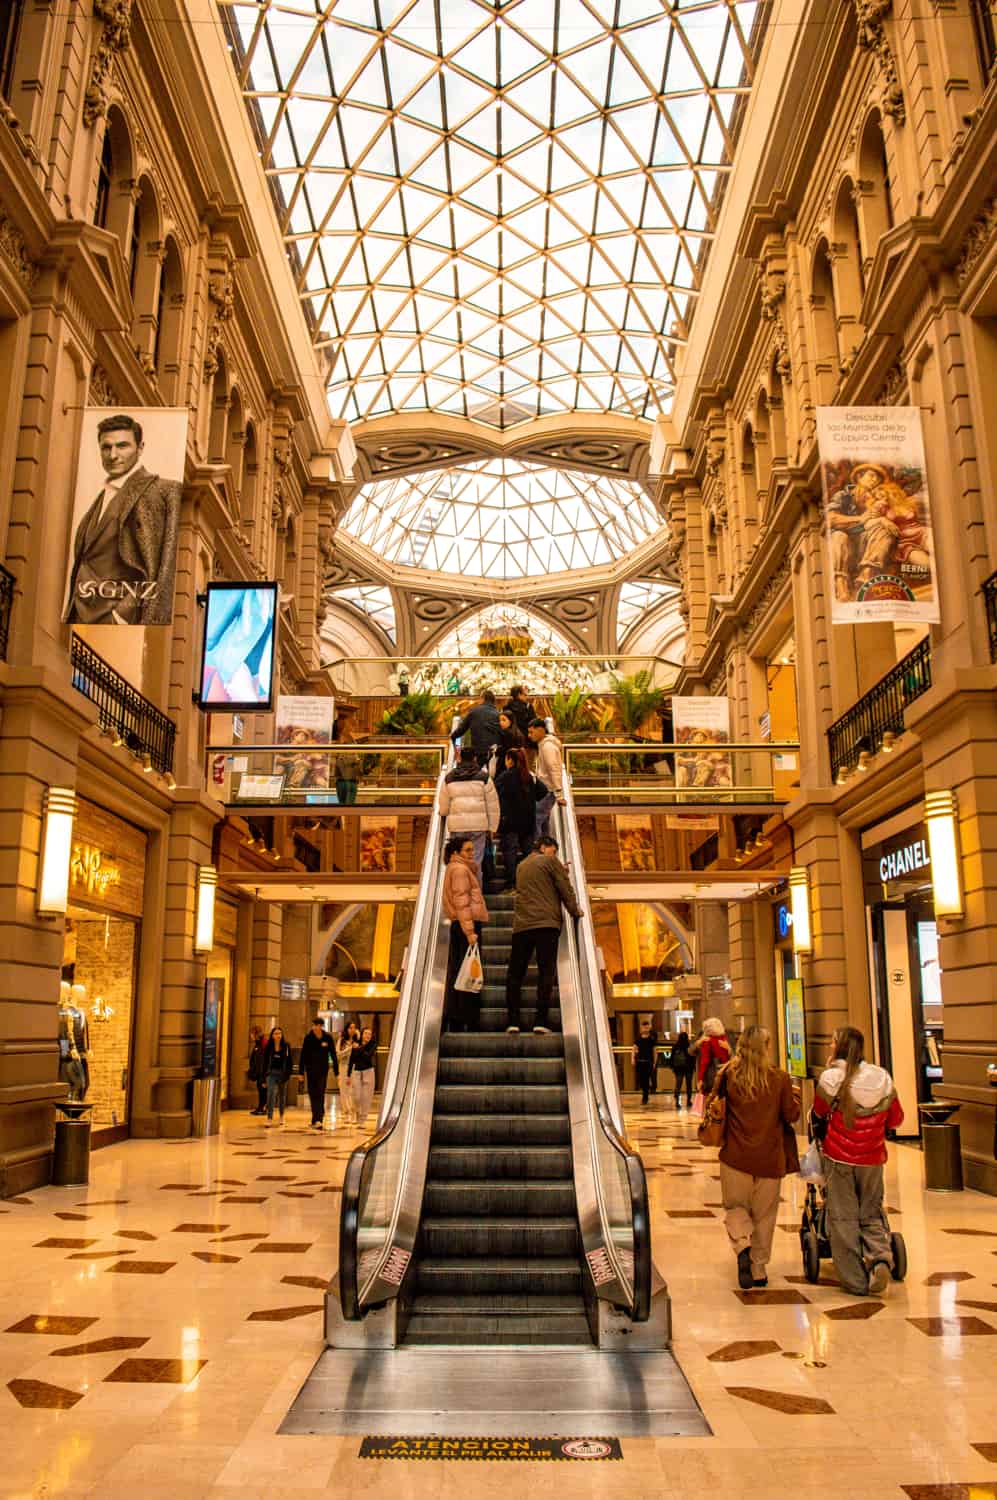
<point x="503" y="1131"/>
<point x="500" y="1163"/>
<point x="488" y="1044"/>
<point x="503" y="1274"/>
<point x="534" y="1239"/>
<point x="517" y="1099"/>
<point x="486" y="1071"/>
<point x="477" y="1198"/>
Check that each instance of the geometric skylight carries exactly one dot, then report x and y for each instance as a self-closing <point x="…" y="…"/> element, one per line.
<point x="497" y="209"/>
<point x="637" y="597"/>
<point x="372" y="600"/>
<point x="501" y="518"/>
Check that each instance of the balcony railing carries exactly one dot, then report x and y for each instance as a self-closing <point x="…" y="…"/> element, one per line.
<point x="6" y="605"/>
<point x="670" y="775"/>
<point x="307" y="776"/>
<point x="122" y="711"/>
<point x="880" y="711"/>
<point x="990" y="601"/>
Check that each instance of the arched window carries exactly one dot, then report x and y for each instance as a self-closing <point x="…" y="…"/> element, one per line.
<point x="749" y="476"/>
<point x="105" y="173"/>
<point x="218" y="430"/>
<point x="113" y="207"/>
<point x="849" y="276"/>
<point x="10" y="31"/>
<point x="145" y="272"/>
<point x="250" y="477"/>
<point x="169" y="322"/>
<point x="134" y="248"/>
<point x="777" y="415"/>
<point x="235" y="445"/>
<point x="827" y="359"/>
<point x="875" y="205"/>
<point x="762" y="436"/>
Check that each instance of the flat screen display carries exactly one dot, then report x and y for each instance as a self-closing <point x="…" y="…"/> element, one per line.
<point x="238" y="658"/>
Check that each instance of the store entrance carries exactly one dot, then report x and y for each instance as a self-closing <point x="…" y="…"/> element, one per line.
<point x="909" y="996"/>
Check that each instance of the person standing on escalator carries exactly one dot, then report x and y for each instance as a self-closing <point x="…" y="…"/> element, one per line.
<point x="543" y="894"/>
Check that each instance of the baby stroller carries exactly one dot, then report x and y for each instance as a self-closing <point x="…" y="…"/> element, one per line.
<point x="815" y="1242"/>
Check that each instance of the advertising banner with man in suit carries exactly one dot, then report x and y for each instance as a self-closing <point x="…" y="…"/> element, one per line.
<point x="126" y="517"/>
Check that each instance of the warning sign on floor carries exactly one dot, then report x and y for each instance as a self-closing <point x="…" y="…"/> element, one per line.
<point x="524" y="1449"/>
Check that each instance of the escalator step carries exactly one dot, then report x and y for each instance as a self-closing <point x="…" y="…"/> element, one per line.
<point x="486" y="1071"/>
<point x="495" y="1018"/>
<point x="501" y="1130"/>
<point x="478" y="1274"/>
<point x="487" y="1044"/>
<point x="500" y="1163"/>
<point x="536" y="1239"/>
<point x="480" y="1199"/>
<point x="494" y="991"/>
<point x="495" y="1304"/>
<point x="481" y="1330"/>
<point x="516" y="1099"/>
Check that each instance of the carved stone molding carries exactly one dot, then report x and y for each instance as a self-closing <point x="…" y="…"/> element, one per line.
<point x="893" y="391"/>
<point x="871" y="16"/>
<point x="773" y="295"/>
<point x="977" y="239"/>
<point x="767" y="594"/>
<point x="282" y="467"/>
<point x="16" y="252"/>
<point x="115" y="36"/>
<point x="100" y="392"/>
<point x="718" y="684"/>
<point x="221" y="295"/>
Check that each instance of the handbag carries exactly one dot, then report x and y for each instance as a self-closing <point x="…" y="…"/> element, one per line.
<point x="712" y="1129"/>
<point x="470" y="975"/>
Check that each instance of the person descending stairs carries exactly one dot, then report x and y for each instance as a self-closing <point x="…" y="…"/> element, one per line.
<point x="500" y="1247"/>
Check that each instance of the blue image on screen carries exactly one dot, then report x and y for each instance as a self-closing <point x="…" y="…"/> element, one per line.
<point x="238" y="647"/>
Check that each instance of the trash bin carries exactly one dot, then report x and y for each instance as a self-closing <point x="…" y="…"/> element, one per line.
<point x="942" y="1148"/>
<point x="205" y="1108"/>
<point x="71" y="1152"/>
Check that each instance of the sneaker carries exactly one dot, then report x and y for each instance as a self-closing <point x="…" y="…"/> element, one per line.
<point x="879" y="1278"/>
<point x="542" y="1031"/>
<point x="512" y="1031"/>
<point x="744" y="1276"/>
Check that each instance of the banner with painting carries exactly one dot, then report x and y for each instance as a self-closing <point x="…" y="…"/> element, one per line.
<point x="635" y="842"/>
<point x="378" y="845"/>
<point x="126" y="516"/>
<point x="877" y="514"/>
<point x="304" y="723"/>
<point x="700" y="724"/>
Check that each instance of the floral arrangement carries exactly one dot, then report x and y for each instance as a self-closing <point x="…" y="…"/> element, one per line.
<point x="541" y="676"/>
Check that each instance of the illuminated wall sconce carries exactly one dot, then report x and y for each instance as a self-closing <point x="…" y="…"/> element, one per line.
<point x="58" y="812"/>
<point x="889" y="740"/>
<point x="207" y="886"/>
<point x="799" y="896"/>
<point x="943" y="841"/>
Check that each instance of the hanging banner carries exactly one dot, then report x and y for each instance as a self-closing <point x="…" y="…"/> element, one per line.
<point x="700" y="724"/>
<point x="302" y="722"/>
<point x="378" y="845"/>
<point x="126" y="516"/>
<point x="877" y="514"/>
<point x="635" y="842"/>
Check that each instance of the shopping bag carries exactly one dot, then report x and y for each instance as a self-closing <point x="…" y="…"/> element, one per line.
<point x="470" y="975"/>
<point x="698" y="1102"/>
<point x="812" y="1165"/>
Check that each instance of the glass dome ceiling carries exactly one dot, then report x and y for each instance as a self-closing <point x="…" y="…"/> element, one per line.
<point x="501" y="518"/>
<point x="496" y="210"/>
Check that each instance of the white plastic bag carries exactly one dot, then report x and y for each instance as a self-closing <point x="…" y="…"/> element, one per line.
<point x="470" y="975"/>
<point x="812" y="1164"/>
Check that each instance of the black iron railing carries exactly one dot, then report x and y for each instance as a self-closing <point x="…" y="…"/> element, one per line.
<point x="990" y="601"/>
<point x="880" y="711"/>
<point x="122" y="710"/>
<point x="6" y="605"/>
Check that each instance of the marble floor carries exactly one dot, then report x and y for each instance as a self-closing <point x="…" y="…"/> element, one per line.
<point x="155" y="1328"/>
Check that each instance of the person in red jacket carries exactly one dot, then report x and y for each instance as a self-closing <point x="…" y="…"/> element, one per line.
<point x="860" y="1104"/>
<point x="712" y="1051"/>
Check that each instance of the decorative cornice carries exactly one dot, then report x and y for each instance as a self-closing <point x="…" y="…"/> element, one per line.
<point x="978" y="237"/>
<point x="871" y="16"/>
<point x="16" y="252"/>
<point x="115" y="37"/>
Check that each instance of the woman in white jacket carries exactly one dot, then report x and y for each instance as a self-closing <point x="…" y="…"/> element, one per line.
<point x="344" y="1047"/>
<point x="470" y="804"/>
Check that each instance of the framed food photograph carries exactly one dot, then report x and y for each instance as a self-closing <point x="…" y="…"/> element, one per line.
<point x="237" y="660"/>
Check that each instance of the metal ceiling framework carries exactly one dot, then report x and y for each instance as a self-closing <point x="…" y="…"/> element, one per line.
<point x="497" y="210"/>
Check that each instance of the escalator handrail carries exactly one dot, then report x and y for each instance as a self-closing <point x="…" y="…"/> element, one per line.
<point x="399" y="1070"/>
<point x="608" y="1116"/>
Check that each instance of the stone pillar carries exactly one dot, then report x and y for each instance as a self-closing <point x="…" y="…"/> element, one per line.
<point x="181" y="1015"/>
<point x="713" y="960"/>
<point x="241" y="1091"/>
<point x="264" y="999"/>
<point x="957" y="724"/>
<point x="39" y="737"/>
<point x="743" y="964"/>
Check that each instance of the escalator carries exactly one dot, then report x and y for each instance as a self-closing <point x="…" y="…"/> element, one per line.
<point x="498" y="1202"/>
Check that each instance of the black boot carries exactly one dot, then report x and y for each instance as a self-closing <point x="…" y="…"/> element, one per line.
<point x="744" y="1276"/>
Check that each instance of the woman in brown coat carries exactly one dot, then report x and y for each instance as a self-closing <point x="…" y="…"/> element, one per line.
<point x="759" y="1149"/>
<point x="464" y="904"/>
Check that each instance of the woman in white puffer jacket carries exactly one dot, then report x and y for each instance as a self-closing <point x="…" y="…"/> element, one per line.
<point x="470" y="804"/>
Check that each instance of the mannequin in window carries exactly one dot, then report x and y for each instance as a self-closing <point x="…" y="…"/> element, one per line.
<point x="73" y="1069"/>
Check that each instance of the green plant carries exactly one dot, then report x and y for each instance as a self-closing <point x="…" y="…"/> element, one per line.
<point x="569" y="710"/>
<point x="416" y="715"/>
<point x="637" y="700"/>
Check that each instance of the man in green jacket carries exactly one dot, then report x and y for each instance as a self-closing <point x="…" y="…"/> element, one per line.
<point x="543" y="890"/>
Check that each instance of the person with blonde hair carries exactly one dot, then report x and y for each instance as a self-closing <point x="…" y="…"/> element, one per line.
<point x="759" y="1149"/>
